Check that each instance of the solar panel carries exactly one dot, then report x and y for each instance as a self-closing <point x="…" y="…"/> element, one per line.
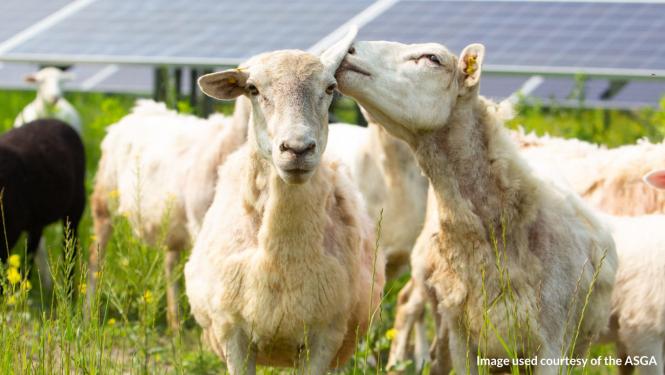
<point x="126" y="79"/>
<point x="535" y="36"/>
<point x="188" y="31"/>
<point x="17" y="15"/>
<point x="500" y="87"/>
<point x="640" y="94"/>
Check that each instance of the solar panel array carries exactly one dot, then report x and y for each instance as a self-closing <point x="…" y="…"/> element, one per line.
<point x="17" y="15"/>
<point x="547" y="37"/>
<point x="190" y="32"/>
<point x="535" y="35"/>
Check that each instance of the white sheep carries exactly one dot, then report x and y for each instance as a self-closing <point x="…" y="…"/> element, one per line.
<point x="50" y="101"/>
<point x="558" y="252"/>
<point x="156" y="167"/>
<point x="608" y="178"/>
<point x="638" y="301"/>
<point x="395" y="191"/>
<point x="283" y="271"/>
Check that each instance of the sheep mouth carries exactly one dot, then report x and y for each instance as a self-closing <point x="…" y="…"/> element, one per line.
<point x="298" y="171"/>
<point x="296" y="175"/>
<point x="346" y="66"/>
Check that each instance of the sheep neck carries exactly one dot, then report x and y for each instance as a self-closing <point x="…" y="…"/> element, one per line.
<point x="292" y="218"/>
<point x="395" y="160"/>
<point x="457" y="161"/>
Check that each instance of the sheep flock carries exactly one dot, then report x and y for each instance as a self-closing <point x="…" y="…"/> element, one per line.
<point x="518" y="246"/>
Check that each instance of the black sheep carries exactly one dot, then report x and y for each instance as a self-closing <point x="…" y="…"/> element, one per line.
<point x="42" y="173"/>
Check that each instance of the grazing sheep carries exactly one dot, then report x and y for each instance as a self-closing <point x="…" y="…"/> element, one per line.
<point x="489" y="202"/>
<point x="42" y="173"/>
<point x="385" y="170"/>
<point x="283" y="272"/>
<point x="50" y="101"/>
<point x="156" y="166"/>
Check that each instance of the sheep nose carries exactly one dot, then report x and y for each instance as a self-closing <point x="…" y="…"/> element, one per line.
<point x="298" y="148"/>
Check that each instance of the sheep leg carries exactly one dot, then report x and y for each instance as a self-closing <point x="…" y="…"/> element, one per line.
<point x="323" y="347"/>
<point x="41" y="261"/>
<point x="409" y="312"/>
<point x="462" y="354"/>
<point x="172" y="291"/>
<point x="440" y="350"/>
<point x="645" y="344"/>
<point x="101" y="218"/>
<point x="546" y="351"/>
<point x="240" y="354"/>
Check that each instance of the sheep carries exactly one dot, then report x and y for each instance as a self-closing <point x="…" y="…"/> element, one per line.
<point x="158" y="165"/>
<point x="395" y="191"/>
<point x="50" y="101"/>
<point x="42" y="174"/>
<point x="638" y="301"/>
<point x="283" y="271"/>
<point x="609" y="179"/>
<point x="559" y="253"/>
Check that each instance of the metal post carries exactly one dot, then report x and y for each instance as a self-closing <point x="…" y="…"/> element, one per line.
<point x="177" y="86"/>
<point x="193" y="88"/>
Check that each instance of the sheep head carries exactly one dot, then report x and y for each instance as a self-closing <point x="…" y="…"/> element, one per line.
<point x="49" y="83"/>
<point x="290" y="92"/>
<point x="410" y="88"/>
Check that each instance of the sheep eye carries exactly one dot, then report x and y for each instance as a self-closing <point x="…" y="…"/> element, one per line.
<point x="252" y="90"/>
<point x="433" y="58"/>
<point x="331" y="88"/>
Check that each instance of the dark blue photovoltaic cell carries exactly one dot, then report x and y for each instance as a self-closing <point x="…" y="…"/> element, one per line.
<point x="641" y="93"/>
<point x="128" y="79"/>
<point x="222" y="29"/>
<point x="17" y="15"/>
<point x="534" y="34"/>
<point x="499" y="88"/>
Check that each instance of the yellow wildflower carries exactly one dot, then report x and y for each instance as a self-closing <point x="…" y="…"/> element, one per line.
<point x="82" y="288"/>
<point x="15" y="261"/>
<point x="147" y="296"/>
<point x="26" y="285"/>
<point x="13" y="275"/>
<point x="114" y="194"/>
<point x="93" y="238"/>
<point x="391" y="333"/>
<point x="11" y="301"/>
<point x="111" y="322"/>
<point x="95" y="275"/>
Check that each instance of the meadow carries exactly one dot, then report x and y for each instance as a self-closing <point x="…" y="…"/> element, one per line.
<point x="44" y="332"/>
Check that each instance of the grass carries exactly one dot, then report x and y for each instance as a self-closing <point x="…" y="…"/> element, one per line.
<point x="46" y="333"/>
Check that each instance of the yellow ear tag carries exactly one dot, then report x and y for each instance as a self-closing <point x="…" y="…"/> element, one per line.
<point x="471" y="65"/>
<point x="232" y="80"/>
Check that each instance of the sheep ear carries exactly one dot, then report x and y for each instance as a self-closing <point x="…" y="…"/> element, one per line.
<point x="470" y="63"/>
<point x="225" y="85"/>
<point x="656" y="178"/>
<point x="333" y="56"/>
<point x="30" y="78"/>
